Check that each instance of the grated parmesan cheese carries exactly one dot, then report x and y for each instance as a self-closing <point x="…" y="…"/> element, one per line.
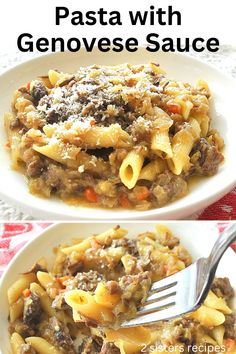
<point x="81" y="169"/>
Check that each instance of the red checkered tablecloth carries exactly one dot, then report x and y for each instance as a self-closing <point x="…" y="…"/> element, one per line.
<point x="223" y="209"/>
<point x="15" y="235"/>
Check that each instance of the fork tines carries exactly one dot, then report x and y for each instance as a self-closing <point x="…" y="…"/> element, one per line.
<point x="168" y="298"/>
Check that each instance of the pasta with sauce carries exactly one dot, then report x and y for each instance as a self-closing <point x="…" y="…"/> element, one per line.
<point x="78" y="304"/>
<point x="93" y="135"/>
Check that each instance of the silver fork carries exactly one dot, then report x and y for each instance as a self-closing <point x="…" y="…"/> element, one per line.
<point x="184" y="291"/>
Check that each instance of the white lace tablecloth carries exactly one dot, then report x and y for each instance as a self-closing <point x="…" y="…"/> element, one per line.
<point x="225" y="60"/>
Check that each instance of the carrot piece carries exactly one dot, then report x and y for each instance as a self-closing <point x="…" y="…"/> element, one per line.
<point x="124" y="201"/>
<point x="61" y="280"/>
<point x="90" y="195"/>
<point x="92" y="122"/>
<point x="28" y="86"/>
<point x="174" y="108"/>
<point x="230" y="343"/>
<point x="142" y="193"/>
<point x="26" y="293"/>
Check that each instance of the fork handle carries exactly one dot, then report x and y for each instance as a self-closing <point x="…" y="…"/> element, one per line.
<point x="223" y="242"/>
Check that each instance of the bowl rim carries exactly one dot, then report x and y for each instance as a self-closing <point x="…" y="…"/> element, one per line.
<point x="166" y="212"/>
<point x="41" y="232"/>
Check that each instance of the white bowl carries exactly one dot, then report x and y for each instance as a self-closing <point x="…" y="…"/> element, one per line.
<point x="13" y="186"/>
<point x="197" y="237"/>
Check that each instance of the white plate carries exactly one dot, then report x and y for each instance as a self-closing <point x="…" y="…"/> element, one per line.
<point x="13" y="186"/>
<point x="197" y="237"/>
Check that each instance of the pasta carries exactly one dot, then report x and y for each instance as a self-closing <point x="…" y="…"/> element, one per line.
<point x="160" y="143"/>
<point x="130" y="169"/>
<point x="42" y="346"/>
<point x="112" y="136"/>
<point x="16" y="343"/>
<point x="152" y="169"/>
<point x="15" y="291"/>
<point x="78" y="304"/>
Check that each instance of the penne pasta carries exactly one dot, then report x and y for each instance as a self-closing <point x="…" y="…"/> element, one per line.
<point x="186" y="108"/>
<point x="105" y="238"/>
<point x="79" y="247"/>
<point x="131" y="168"/>
<point x="14" y="141"/>
<point x="209" y="317"/>
<point x="93" y="137"/>
<point x="42" y="346"/>
<point x="66" y="155"/>
<point x="16" y="343"/>
<point x="203" y="121"/>
<point x="217" y="303"/>
<point x="16" y="309"/>
<point x="16" y="289"/>
<point x="103" y="297"/>
<point x="45" y="300"/>
<point x="54" y="76"/>
<point x="84" y="303"/>
<point x="152" y="169"/>
<point x="181" y="145"/>
<point x="130" y="340"/>
<point x="161" y="145"/>
<point x="218" y="334"/>
<point x="48" y="281"/>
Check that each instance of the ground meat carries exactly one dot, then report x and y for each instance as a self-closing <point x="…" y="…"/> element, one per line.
<point x="168" y="187"/>
<point x="90" y="346"/>
<point x="54" y="176"/>
<point x="205" y="158"/>
<point x="60" y="303"/>
<point x="128" y="244"/>
<point x="32" y="310"/>
<point x="182" y="254"/>
<point x="135" y="287"/>
<point x="71" y="268"/>
<point x="140" y="130"/>
<point x="106" y="188"/>
<point x="222" y="288"/>
<point x="183" y="331"/>
<point x="34" y="165"/>
<point x="109" y="348"/>
<point x="23" y="329"/>
<point x="86" y="281"/>
<point x="54" y="117"/>
<point x="35" y="168"/>
<point x="113" y="287"/>
<point x="230" y="326"/>
<point x="15" y="123"/>
<point x="57" y="334"/>
<point x="26" y="349"/>
<point x="169" y="240"/>
<point x="38" y="91"/>
<point x="104" y="107"/>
